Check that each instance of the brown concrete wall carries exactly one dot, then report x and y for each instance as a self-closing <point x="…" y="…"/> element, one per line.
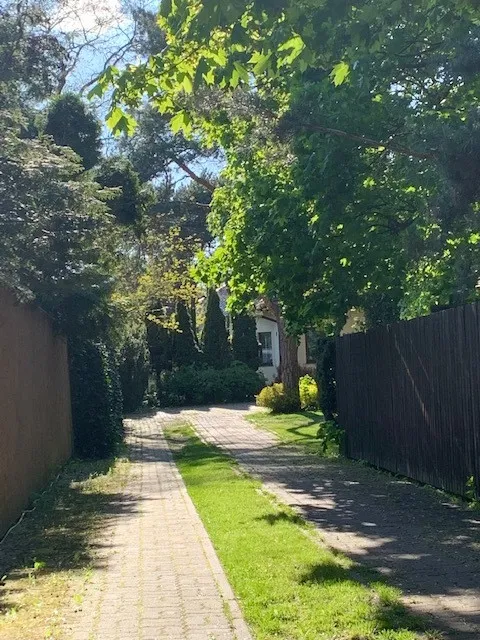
<point x="35" y="411"/>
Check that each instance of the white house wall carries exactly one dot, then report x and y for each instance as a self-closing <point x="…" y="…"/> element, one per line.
<point x="307" y="367"/>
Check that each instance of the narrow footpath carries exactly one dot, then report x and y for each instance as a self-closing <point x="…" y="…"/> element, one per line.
<point x="157" y="576"/>
<point x="421" y="542"/>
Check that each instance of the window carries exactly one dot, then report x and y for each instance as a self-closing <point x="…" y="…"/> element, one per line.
<point x="266" y="356"/>
<point x="311" y="346"/>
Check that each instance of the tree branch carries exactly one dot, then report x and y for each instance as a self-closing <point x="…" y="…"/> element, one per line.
<point x="196" y="178"/>
<point x="363" y="140"/>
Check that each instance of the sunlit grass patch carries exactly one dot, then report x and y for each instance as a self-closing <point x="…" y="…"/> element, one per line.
<point x="296" y="429"/>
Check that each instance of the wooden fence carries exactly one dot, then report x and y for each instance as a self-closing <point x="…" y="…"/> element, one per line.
<point x="409" y="397"/>
<point x="35" y="415"/>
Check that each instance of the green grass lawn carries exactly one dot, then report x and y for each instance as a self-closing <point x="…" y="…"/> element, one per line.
<point x="290" y="585"/>
<point x="295" y="428"/>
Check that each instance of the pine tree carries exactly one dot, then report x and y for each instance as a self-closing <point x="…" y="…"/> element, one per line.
<point x="216" y="348"/>
<point x="185" y="348"/>
<point x="244" y="340"/>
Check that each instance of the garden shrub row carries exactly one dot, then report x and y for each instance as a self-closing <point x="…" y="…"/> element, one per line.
<point x="193" y="385"/>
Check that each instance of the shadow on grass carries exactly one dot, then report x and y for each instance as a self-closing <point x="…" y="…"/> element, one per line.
<point x="59" y="534"/>
<point x="275" y="518"/>
<point x="388" y="611"/>
<point x="328" y="571"/>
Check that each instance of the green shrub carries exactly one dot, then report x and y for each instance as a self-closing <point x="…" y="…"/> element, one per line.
<point x="96" y="399"/>
<point x="331" y="436"/>
<point x="326" y="377"/>
<point x="275" y="398"/>
<point x="134" y="369"/>
<point x="206" y="385"/>
<point x="308" y="392"/>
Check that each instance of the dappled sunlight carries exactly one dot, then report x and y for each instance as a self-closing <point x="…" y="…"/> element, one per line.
<point x="416" y="537"/>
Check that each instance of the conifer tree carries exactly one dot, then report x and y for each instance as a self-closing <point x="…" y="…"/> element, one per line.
<point x="185" y="349"/>
<point x="71" y="124"/>
<point x="216" y="347"/>
<point x="244" y="340"/>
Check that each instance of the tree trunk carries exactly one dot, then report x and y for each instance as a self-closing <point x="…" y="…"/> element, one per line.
<point x="289" y="369"/>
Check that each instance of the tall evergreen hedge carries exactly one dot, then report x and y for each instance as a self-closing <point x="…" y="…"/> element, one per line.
<point x="244" y="340"/>
<point x="96" y="399"/>
<point x="216" y="347"/>
<point x="134" y="369"/>
<point x="185" y="350"/>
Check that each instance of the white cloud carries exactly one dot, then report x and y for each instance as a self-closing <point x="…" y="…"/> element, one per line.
<point x="89" y="16"/>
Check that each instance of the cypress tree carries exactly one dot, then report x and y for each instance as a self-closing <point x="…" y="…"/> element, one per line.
<point x="216" y="348"/>
<point x="244" y="340"/>
<point x="185" y="349"/>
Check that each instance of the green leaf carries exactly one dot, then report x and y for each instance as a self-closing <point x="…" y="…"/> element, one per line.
<point x="165" y="8"/>
<point x="242" y="71"/>
<point x="260" y="61"/>
<point x="98" y="90"/>
<point x="177" y="122"/>
<point x="220" y="57"/>
<point x="474" y="238"/>
<point x="114" y="117"/>
<point x="295" y="45"/>
<point x="200" y="73"/>
<point x="234" y="79"/>
<point x="187" y="84"/>
<point x="340" y="73"/>
<point x="181" y="121"/>
<point x="121" y="122"/>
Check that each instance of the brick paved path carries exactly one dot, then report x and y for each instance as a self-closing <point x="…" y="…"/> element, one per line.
<point x="157" y="575"/>
<point x="424" y="544"/>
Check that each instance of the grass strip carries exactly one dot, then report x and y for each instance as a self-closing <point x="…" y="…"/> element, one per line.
<point x="299" y="429"/>
<point x="290" y="585"/>
<point x="47" y="560"/>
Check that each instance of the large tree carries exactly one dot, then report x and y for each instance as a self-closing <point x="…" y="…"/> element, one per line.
<point x="55" y="231"/>
<point x="351" y="135"/>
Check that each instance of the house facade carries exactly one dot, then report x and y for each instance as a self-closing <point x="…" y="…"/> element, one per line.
<point x="269" y="345"/>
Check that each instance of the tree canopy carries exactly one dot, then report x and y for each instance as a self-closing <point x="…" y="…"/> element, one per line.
<point x="71" y="124"/>
<point x="350" y="132"/>
<point x="130" y="200"/>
